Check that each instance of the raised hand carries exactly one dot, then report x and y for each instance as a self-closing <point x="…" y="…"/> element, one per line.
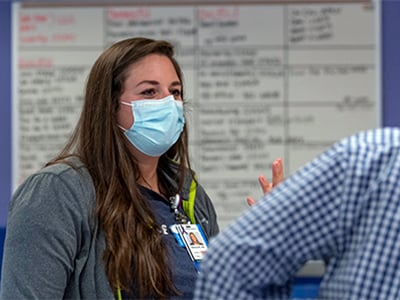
<point x="266" y="186"/>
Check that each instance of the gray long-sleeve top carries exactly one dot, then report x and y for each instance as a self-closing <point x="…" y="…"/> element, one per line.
<point x="53" y="247"/>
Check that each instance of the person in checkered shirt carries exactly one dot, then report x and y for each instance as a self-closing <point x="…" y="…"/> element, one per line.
<point x="343" y="207"/>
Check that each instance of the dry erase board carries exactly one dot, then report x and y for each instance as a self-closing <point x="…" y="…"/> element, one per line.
<point x="262" y="81"/>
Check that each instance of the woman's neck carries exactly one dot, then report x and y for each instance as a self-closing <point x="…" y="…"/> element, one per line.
<point x="148" y="170"/>
<point x="149" y="177"/>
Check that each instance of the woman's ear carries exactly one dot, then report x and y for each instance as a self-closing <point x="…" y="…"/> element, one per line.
<point x="125" y="116"/>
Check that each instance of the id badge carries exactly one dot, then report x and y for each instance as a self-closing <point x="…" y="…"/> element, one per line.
<point x="192" y="238"/>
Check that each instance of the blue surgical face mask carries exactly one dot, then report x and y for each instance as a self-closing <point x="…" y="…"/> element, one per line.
<point x="157" y="124"/>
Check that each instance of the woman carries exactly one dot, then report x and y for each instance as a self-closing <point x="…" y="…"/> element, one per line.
<point x="94" y="222"/>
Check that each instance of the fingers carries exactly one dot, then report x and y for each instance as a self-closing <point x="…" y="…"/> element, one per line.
<point x="266" y="186"/>
<point x="277" y="172"/>
<point x="250" y="201"/>
<point x="277" y="177"/>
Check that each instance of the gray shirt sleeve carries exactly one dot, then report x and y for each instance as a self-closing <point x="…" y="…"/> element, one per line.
<point x="46" y="223"/>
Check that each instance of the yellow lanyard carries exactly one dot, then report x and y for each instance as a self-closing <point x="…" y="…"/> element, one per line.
<point x="119" y="294"/>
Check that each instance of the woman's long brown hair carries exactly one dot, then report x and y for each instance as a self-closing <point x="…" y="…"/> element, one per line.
<point x="134" y="254"/>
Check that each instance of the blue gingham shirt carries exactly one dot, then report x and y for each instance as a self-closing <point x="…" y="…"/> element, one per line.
<point x="343" y="208"/>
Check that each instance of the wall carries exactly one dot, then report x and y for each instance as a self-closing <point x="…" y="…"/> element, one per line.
<point x="390" y="62"/>
<point x="5" y="109"/>
<point x="5" y="116"/>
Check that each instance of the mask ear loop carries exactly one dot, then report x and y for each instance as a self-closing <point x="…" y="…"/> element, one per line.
<point x="125" y="103"/>
<point x="125" y="130"/>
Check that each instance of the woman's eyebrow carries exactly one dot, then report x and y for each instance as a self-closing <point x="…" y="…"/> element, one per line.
<point x="176" y="83"/>
<point x="152" y="82"/>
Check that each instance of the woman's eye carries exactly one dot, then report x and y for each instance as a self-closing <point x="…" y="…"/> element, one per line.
<point x="149" y="93"/>
<point x="177" y="94"/>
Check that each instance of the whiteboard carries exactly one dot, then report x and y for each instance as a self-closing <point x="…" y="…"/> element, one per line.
<point x="261" y="80"/>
